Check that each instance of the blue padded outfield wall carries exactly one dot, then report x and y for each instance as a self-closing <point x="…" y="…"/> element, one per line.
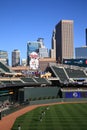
<point x="75" y="94"/>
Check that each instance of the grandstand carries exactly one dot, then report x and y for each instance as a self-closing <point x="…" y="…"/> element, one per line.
<point x="68" y="74"/>
<point x="60" y="74"/>
<point x="63" y="78"/>
<point x="22" y="82"/>
<point x="4" y="68"/>
<point x="11" y="83"/>
<point x="71" y="79"/>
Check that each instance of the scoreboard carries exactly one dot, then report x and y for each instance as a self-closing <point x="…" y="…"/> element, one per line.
<point x="77" y="62"/>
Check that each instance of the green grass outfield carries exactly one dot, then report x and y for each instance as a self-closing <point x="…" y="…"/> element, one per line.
<point x="57" y="117"/>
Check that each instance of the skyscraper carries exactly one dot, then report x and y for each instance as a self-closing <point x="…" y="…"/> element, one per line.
<point x="15" y="57"/>
<point x="43" y="51"/>
<point x="53" y="50"/>
<point x="64" y="39"/>
<point x="86" y="36"/>
<point x="38" y="47"/>
<point x="4" y="57"/>
<point x="32" y="47"/>
<point x="81" y="52"/>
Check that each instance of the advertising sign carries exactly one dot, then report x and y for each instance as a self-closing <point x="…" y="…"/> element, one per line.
<point x="76" y="62"/>
<point x="34" y="60"/>
<point x="76" y="95"/>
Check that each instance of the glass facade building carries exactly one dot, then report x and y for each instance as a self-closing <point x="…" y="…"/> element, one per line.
<point x="43" y="52"/>
<point x="32" y="47"/>
<point x="38" y="47"/>
<point x="4" y="57"/>
<point x="81" y="52"/>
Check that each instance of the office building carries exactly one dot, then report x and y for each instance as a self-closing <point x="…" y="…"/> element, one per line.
<point x="64" y="40"/>
<point x="41" y="41"/>
<point x="15" y="58"/>
<point x="86" y="36"/>
<point x="81" y="52"/>
<point x="53" y="50"/>
<point x="23" y="62"/>
<point x="44" y="63"/>
<point x="43" y="52"/>
<point x="4" y="57"/>
<point x="38" y="47"/>
<point x="32" y="47"/>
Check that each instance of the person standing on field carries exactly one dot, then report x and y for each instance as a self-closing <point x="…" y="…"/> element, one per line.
<point x="19" y="127"/>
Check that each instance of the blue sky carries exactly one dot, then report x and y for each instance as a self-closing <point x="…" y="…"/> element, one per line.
<point x="27" y="20"/>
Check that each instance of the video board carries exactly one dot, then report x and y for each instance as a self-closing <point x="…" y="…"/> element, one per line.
<point x="76" y="62"/>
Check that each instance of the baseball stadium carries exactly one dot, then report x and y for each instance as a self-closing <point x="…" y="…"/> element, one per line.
<point x="53" y="100"/>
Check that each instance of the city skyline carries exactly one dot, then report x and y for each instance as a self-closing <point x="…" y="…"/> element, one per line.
<point x="26" y="20"/>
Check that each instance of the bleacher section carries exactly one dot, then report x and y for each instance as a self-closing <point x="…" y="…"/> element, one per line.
<point x="69" y="74"/>
<point x="5" y="68"/>
<point x="60" y="73"/>
<point x="28" y="80"/>
<point x="75" y="73"/>
<point x="10" y="82"/>
<point x="42" y="81"/>
<point x="2" y="71"/>
<point x="18" y="82"/>
<point x="7" y="82"/>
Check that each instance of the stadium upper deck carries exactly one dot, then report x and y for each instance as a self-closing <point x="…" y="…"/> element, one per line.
<point x="68" y="74"/>
<point x="60" y="74"/>
<point x="9" y="78"/>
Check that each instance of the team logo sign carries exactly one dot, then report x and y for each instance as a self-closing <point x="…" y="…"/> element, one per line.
<point x="75" y="94"/>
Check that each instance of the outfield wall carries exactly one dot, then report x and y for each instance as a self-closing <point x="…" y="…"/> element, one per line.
<point x="58" y="100"/>
<point x="74" y="94"/>
<point x="35" y="93"/>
